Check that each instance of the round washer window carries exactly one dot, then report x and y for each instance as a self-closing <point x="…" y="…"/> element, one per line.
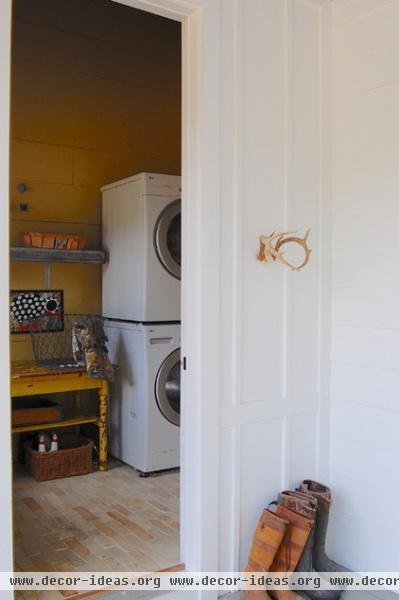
<point x="167" y="238"/>
<point x="167" y="388"/>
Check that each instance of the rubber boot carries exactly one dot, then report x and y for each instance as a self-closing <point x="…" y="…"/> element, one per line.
<point x="310" y="559"/>
<point x="289" y="553"/>
<point x="269" y="534"/>
<point x="305" y="565"/>
<point x="322" y="493"/>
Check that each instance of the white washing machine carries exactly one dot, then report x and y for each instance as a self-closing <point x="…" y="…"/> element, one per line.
<point x="141" y="218"/>
<point x="144" y="423"/>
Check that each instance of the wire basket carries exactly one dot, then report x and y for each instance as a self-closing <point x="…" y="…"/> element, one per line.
<point x="55" y="348"/>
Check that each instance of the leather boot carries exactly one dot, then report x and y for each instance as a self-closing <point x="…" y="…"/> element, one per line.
<point x="321" y="562"/>
<point x="289" y="553"/>
<point x="269" y="534"/>
<point x="299" y="502"/>
<point x="306" y="505"/>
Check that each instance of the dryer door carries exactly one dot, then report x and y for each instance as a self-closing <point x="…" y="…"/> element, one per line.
<point x="167" y="388"/>
<point x="167" y="238"/>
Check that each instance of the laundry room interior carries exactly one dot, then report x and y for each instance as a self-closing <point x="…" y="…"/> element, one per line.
<point x="95" y="265"/>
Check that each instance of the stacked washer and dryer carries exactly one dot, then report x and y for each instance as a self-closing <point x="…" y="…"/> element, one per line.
<point x="141" y="218"/>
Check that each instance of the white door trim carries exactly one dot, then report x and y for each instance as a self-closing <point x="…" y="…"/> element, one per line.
<point x="200" y="294"/>
<point x="6" y="556"/>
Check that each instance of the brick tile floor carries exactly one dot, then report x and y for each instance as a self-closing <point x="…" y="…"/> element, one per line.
<point x="104" y="521"/>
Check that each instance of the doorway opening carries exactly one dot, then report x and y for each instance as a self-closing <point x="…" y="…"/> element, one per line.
<point x="96" y="137"/>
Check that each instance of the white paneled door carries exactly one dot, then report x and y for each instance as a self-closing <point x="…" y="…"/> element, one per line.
<point x="274" y="346"/>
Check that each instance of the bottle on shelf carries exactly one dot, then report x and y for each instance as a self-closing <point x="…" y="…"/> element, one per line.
<point x="42" y="444"/>
<point x="54" y="442"/>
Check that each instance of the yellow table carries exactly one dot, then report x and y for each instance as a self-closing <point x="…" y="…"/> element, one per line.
<point x="30" y="379"/>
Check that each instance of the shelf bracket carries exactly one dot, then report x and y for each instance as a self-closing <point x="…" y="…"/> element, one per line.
<point x="48" y="270"/>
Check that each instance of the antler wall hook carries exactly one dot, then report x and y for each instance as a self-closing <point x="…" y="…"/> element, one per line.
<point x="270" y="248"/>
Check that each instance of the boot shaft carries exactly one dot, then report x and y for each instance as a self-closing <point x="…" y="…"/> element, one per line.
<point x="321" y="561"/>
<point x="298" y="502"/>
<point x="291" y="549"/>
<point x="316" y="489"/>
<point x="269" y="534"/>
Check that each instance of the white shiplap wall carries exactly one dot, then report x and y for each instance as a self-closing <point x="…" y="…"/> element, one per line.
<point x="274" y="399"/>
<point x="365" y="315"/>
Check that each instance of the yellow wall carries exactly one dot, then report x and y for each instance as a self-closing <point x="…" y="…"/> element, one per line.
<point x="96" y="97"/>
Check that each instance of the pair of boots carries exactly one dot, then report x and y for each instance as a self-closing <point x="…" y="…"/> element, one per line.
<point x="278" y="542"/>
<point x="293" y="538"/>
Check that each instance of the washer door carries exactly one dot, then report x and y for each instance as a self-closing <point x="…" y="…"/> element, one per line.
<point x="167" y="238"/>
<point x="167" y="388"/>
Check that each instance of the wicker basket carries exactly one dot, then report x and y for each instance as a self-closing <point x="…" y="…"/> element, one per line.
<point x="73" y="458"/>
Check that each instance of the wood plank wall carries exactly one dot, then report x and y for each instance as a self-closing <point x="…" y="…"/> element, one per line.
<point x="365" y="316"/>
<point x="95" y="97"/>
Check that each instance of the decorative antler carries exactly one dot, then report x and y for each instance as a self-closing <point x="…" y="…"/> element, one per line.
<point x="269" y="251"/>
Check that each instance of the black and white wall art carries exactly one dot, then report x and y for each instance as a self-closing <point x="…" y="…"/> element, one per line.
<point x="28" y="308"/>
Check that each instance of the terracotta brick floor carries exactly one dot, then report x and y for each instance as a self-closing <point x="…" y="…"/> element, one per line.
<point x="105" y="521"/>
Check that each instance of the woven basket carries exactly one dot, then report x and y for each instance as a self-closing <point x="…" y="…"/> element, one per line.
<point x="73" y="458"/>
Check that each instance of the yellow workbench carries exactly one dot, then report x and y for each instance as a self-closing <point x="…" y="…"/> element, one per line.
<point x="31" y="379"/>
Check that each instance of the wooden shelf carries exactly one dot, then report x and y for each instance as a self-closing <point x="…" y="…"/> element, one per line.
<point x="54" y="425"/>
<point x="49" y="255"/>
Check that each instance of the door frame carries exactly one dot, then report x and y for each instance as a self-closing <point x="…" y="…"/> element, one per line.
<point x="6" y="547"/>
<point x="200" y="275"/>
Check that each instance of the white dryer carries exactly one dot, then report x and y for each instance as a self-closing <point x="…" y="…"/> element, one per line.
<point x="141" y="218"/>
<point x="144" y="423"/>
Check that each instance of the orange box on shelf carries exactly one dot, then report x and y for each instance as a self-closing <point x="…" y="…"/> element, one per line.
<point x="26" y="411"/>
<point x="61" y="241"/>
<point x="47" y="241"/>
